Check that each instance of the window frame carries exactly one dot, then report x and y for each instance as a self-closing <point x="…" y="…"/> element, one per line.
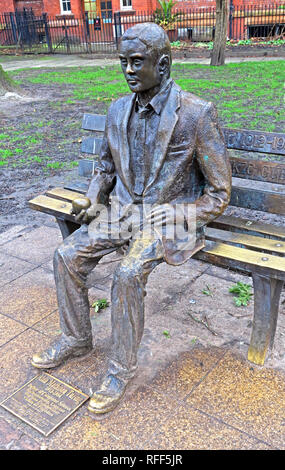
<point x="67" y="12"/>
<point x="125" y="8"/>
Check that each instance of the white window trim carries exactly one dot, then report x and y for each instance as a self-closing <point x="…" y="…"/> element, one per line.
<point x="62" y="10"/>
<point x="123" y="8"/>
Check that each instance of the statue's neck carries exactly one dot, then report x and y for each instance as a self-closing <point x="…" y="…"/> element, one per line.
<point x="147" y="95"/>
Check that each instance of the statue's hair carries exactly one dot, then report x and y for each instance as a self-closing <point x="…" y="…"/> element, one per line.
<point x="153" y="36"/>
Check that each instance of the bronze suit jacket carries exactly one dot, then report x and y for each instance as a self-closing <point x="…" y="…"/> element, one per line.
<point x="190" y="163"/>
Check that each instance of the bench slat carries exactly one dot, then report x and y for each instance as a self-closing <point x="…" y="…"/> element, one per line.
<point x="255" y="199"/>
<point x="63" y="194"/>
<point x="245" y="225"/>
<point x="258" y="170"/>
<point x="249" y="241"/>
<point x="94" y="122"/>
<point x="55" y="207"/>
<point x="86" y="167"/>
<point x="255" y="141"/>
<point x="241" y="258"/>
<point x="91" y="145"/>
<point x="77" y="186"/>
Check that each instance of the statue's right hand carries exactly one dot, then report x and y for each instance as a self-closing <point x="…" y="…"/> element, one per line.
<point x="87" y="215"/>
<point x="81" y="216"/>
<point x="79" y="204"/>
<point x="79" y="208"/>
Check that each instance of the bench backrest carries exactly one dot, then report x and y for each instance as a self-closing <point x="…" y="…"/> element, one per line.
<point x="268" y="199"/>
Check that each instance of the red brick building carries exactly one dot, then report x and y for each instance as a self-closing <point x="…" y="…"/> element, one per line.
<point x="196" y="25"/>
<point x="98" y="7"/>
<point x="77" y="7"/>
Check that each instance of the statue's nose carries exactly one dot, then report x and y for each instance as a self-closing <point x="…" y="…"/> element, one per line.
<point x="129" y="69"/>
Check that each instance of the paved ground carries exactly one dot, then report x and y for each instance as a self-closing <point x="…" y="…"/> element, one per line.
<point x="194" y="388"/>
<point x="11" y="63"/>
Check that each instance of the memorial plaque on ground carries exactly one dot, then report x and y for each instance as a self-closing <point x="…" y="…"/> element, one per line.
<point x="44" y="402"/>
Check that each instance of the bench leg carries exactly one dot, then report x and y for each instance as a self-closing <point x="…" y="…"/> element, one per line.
<point x="266" y="303"/>
<point x="66" y="227"/>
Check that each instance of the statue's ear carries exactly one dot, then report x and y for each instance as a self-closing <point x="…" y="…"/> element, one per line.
<point x="164" y="64"/>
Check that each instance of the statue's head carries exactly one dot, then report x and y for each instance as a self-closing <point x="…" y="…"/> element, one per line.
<point x="145" y="55"/>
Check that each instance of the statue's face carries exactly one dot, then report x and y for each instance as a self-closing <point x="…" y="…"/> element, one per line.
<point x="139" y="65"/>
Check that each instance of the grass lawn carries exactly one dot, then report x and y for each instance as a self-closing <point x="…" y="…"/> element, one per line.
<point x="248" y="95"/>
<point x="244" y="93"/>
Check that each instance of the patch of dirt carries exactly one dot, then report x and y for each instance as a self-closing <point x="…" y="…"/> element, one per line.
<point x="56" y="129"/>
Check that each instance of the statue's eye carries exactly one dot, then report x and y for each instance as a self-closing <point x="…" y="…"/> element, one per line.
<point x="124" y="62"/>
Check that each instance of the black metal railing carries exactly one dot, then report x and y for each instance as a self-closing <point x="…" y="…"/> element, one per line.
<point x="89" y="34"/>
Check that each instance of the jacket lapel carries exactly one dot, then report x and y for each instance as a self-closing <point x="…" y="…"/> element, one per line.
<point x="166" y="126"/>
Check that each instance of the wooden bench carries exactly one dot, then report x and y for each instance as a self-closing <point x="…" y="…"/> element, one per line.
<point x="253" y="247"/>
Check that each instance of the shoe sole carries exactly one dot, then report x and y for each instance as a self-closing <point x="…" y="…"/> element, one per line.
<point x="106" y="410"/>
<point x="103" y="411"/>
<point x="56" y="364"/>
<point x="45" y="366"/>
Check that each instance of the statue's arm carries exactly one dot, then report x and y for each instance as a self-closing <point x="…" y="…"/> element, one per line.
<point x="104" y="175"/>
<point x="212" y="156"/>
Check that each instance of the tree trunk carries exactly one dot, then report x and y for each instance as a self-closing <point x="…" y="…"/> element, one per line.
<point x="222" y="18"/>
<point x="7" y="84"/>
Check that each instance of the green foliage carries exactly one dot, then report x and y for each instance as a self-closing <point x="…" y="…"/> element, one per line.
<point x="177" y="44"/>
<point x="55" y="165"/>
<point x="164" y="16"/>
<point x="5" y="153"/>
<point x="100" y="304"/>
<point x="248" y="42"/>
<point x="167" y="6"/>
<point x="207" y="291"/>
<point x="243" y="293"/>
<point x="166" y="334"/>
<point x="244" y="42"/>
<point x="37" y="159"/>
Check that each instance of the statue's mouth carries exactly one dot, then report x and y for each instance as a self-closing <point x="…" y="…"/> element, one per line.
<point x="132" y="81"/>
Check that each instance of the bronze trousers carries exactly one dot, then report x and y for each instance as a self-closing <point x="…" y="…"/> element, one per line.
<point x="75" y="258"/>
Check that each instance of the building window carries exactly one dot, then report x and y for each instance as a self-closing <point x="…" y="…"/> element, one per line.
<point x="106" y="10"/>
<point x="65" y="6"/>
<point x="90" y="6"/>
<point x="126" y="5"/>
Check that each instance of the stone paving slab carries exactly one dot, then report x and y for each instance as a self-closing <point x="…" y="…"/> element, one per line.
<point x="9" y="270"/>
<point x="14" y="439"/>
<point x="204" y="433"/>
<point x="15" y="357"/>
<point x="35" y="247"/>
<point x="30" y="297"/>
<point x="9" y="328"/>
<point x="194" y="388"/>
<point x="245" y="396"/>
<point x="13" y="232"/>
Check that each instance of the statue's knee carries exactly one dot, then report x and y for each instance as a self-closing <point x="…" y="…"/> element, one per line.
<point x="63" y="255"/>
<point x="126" y="273"/>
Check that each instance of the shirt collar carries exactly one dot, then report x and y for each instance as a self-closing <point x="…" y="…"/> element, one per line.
<point x="158" y="101"/>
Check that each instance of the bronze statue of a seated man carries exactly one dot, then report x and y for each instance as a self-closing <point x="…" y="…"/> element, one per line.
<point x="163" y="149"/>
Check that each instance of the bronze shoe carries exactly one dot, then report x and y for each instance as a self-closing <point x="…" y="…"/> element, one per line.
<point x="58" y="352"/>
<point x="108" y="396"/>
